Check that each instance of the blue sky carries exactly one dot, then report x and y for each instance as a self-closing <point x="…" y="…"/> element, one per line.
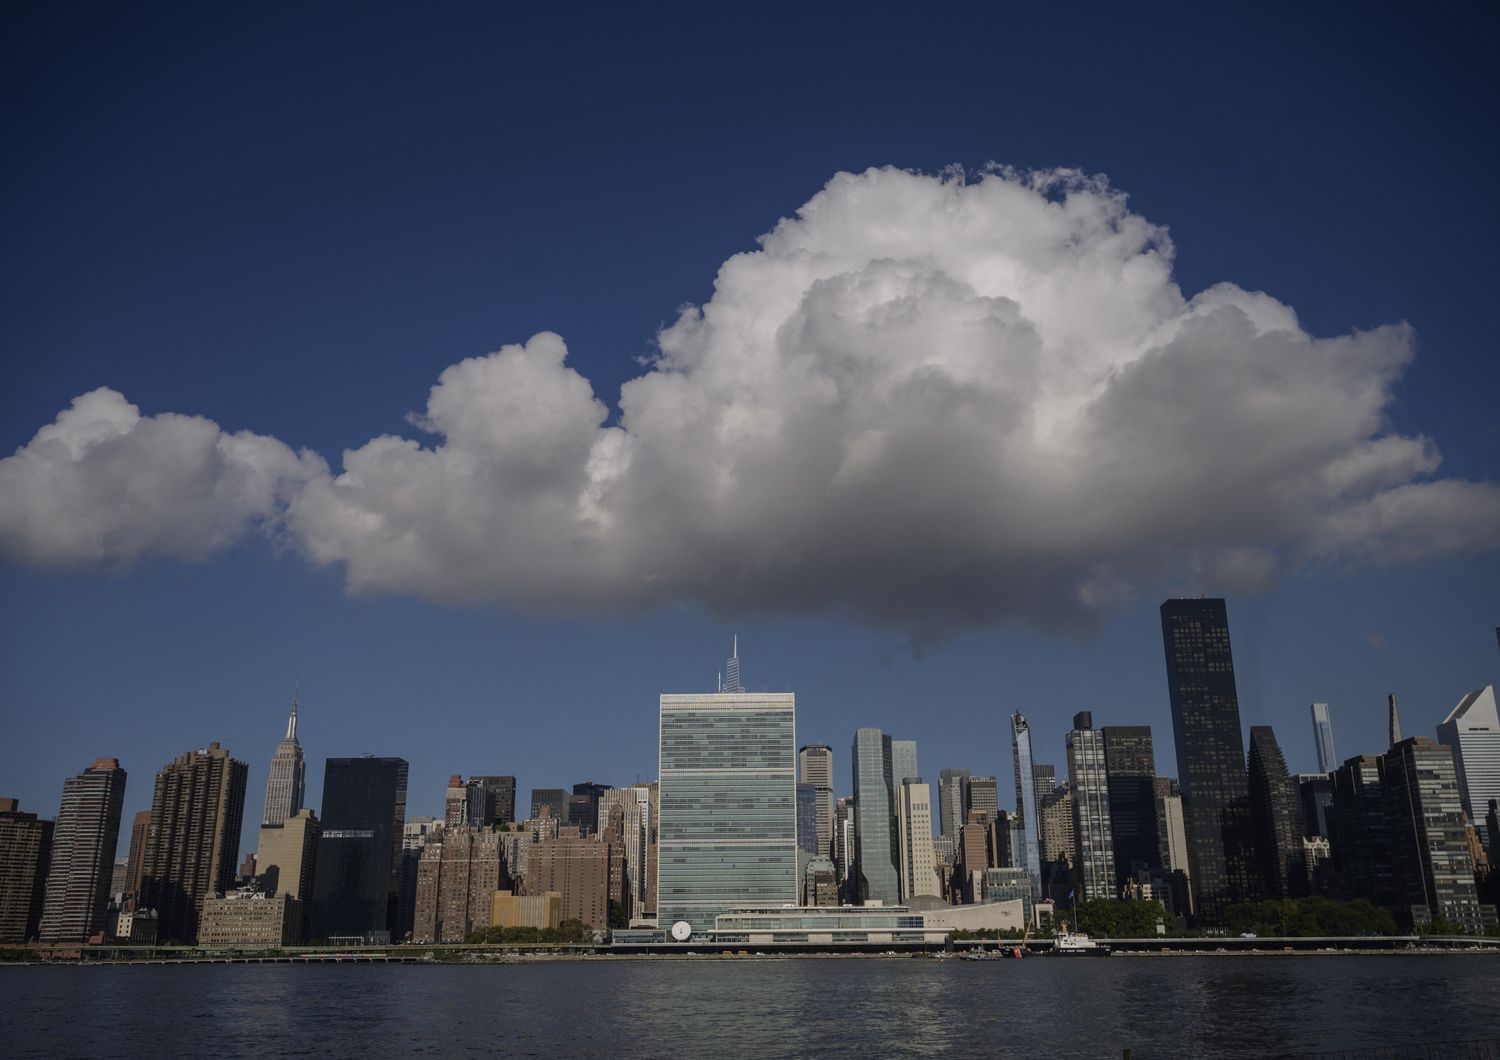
<point x="292" y="221"/>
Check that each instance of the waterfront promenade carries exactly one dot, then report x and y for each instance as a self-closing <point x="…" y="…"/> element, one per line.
<point x="459" y="953"/>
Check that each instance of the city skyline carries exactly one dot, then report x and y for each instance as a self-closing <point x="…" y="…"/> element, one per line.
<point x="1086" y="420"/>
<point x="732" y="822"/>
<point x="1300" y="749"/>
<point x="317" y="311"/>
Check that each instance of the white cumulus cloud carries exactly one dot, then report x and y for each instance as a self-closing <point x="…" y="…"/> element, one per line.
<point x="925" y="402"/>
<point x="103" y="484"/>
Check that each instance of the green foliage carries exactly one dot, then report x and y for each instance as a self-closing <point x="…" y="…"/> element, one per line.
<point x="570" y="932"/>
<point x="1443" y="926"/>
<point x="1307" y="917"/>
<point x="617" y="917"/>
<point x="1113" y="918"/>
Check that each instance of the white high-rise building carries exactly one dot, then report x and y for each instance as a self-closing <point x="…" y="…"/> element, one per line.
<point x="918" y="858"/>
<point x="284" y="787"/>
<point x="640" y="832"/>
<point x="1093" y="833"/>
<point x="1328" y="760"/>
<point x="727" y="827"/>
<point x="1472" y="730"/>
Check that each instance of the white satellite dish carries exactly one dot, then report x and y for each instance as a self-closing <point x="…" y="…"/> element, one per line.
<point x="682" y="931"/>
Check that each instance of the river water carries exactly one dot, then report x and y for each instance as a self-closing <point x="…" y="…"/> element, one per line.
<point x="1045" y="1007"/>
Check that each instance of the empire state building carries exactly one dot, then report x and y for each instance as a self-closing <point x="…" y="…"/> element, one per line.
<point x="284" y="789"/>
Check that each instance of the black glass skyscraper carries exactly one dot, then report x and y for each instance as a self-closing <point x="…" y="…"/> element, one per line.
<point x="492" y="800"/>
<point x="1276" y="816"/>
<point x="359" y="851"/>
<point x="1130" y="767"/>
<point x="1210" y="753"/>
<point x="553" y="800"/>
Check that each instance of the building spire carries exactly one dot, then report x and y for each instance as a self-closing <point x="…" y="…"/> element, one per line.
<point x="291" y="723"/>
<point x="1393" y="721"/>
<point x="732" y="669"/>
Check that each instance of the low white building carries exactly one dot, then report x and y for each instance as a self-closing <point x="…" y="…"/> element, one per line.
<point x="827" y="925"/>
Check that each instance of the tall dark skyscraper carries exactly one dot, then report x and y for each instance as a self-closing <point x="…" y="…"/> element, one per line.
<point x="1398" y="836"/>
<point x="25" y="845"/>
<point x="554" y="799"/>
<point x="492" y="800"/>
<point x="1210" y="753"/>
<point x="193" y="847"/>
<point x="1276" y="815"/>
<point x="1431" y="867"/>
<point x="583" y="806"/>
<point x="1130" y="763"/>
<point x="356" y="883"/>
<point x="83" y="853"/>
<point x="1315" y="790"/>
<point x="1359" y="832"/>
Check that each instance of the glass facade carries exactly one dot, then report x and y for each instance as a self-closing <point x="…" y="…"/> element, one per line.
<point x="1130" y="762"/>
<point x="727" y="835"/>
<point x="1210" y="753"/>
<point x="1328" y="760"/>
<point x="1275" y="813"/>
<point x="876" y="844"/>
<point x="356" y="885"/>
<point x="555" y="800"/>
<point x="1009" y="885"/>
<point x="807" y="819"/>
<point x="1431" y="868"/>
<point x="1026" y="807"/>
<point x="835" y="924"/>
<point x="1093" y="837"/>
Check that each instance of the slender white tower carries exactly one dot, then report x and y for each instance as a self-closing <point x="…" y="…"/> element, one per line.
<point x="732" y="669"/>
